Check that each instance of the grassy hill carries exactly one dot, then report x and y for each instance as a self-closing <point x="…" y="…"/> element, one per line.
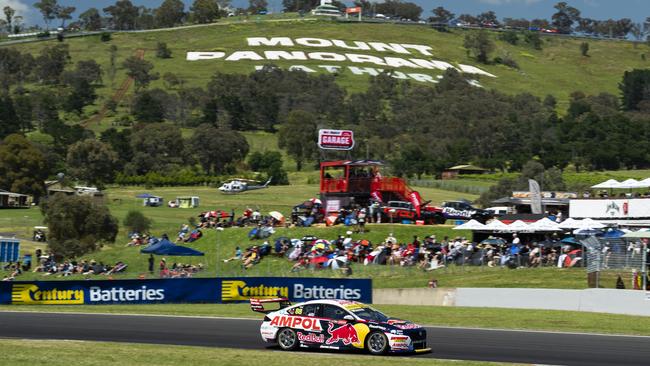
<point x="557" y="69"/>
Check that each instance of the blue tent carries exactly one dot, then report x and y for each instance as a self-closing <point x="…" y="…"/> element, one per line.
<point x="570" y="240"/>
<point x="166" y="247"/>
<point x="613" y="233"/>
<point x="145" y="195"/>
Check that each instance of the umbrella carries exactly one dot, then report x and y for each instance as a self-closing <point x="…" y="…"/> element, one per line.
<point x="638" y="234"/>
<point x="611" y="183"/>
<point x="319" y="260"/>
<point x="470" y="225"/>
<point x="590" y="224"/>
<point x="613" y="233"/>
<point x="276" y="215"/>
<point x="570" y="240"/>
<point x="587" y="232"/>
<point x="494" y="241"/>
<point x="316" y="201"/>
<point x="518" y="226"/>
<point x="569" y="223"/>
<point x="550" y="244"/>
<point x="496" y="225"/>
<point x="337" y="262"/>
<point x="544" y="224"/>
<point x="630" y="184"/>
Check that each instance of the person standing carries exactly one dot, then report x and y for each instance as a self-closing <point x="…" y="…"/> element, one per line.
<point x="151" y="262"/>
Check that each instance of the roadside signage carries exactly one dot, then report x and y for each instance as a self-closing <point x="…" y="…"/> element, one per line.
<point x="336" y="139"/>
<point x="353" y="10"/>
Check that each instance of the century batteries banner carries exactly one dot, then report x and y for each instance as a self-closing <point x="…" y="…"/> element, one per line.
<point x="187" y="290"/>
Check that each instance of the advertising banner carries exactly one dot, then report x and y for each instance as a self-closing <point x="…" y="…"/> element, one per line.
<point x="336" y="139"/>
<point x="637" y="208"/>
<point x="182" y="290"/>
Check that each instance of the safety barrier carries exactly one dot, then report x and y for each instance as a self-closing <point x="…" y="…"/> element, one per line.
<point x="182" y="290"/>
<point x="612" y="301"/>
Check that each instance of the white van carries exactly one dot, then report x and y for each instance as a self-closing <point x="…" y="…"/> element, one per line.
<point x="499" y="210"/>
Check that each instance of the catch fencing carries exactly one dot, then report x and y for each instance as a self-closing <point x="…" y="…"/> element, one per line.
<point x="616" y="262"/>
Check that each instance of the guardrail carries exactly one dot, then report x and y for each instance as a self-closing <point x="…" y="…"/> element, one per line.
<point x="629" y="302"/>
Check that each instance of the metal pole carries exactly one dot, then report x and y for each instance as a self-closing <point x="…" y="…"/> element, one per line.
<point x="643" y="266"/>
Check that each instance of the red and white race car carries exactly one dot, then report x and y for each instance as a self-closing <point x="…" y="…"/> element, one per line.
<point x="338" y="324"/>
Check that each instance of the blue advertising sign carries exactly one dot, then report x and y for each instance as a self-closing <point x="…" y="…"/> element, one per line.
<point x="182" y="290"/>
<point x="9" y="250"/>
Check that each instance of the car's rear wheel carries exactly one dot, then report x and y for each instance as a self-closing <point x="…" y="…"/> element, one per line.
<point x="287" y="339"/>
<point x="377" y="343"/>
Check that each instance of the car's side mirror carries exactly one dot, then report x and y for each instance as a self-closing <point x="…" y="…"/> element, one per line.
<point x="349" y="318"/>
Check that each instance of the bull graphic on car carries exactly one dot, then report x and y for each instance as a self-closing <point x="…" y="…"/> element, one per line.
<point x="337" y="324"/>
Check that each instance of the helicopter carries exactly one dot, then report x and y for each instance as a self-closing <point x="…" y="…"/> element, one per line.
<point x="239" y="185"/>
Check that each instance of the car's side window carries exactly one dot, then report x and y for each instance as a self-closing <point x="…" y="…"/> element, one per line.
<point x="307" y="310"/>
<point x="334" y="312"/>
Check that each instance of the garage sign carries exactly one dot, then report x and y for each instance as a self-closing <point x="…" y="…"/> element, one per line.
<point x="335" y="139"/>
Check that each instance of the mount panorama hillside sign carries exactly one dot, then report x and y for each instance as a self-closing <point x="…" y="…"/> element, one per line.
<point x="412" y="61"/>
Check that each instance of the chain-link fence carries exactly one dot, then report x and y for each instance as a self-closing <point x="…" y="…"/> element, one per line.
<point x="616" y="262"/>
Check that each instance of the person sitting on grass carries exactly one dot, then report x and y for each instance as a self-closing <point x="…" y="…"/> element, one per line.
<point x="237" y="256"/>
<point x="252" y="258"/>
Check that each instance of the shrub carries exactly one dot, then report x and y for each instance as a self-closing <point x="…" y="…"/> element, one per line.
<point x="509" y="37"/>
<point x="105" y="37"/>
<point x="136" y="221"/>
<point x="162" y="51"/>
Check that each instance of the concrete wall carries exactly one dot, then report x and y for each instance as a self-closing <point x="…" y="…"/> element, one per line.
<point x="590" y="300"/>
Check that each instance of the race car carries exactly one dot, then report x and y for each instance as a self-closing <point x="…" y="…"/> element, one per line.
<point x="337" y="324"/>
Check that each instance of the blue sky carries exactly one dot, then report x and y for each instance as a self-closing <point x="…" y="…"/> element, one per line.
<point x="638" y="10"/>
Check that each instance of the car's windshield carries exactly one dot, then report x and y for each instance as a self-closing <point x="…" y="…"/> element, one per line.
<point x="367" y="313"/>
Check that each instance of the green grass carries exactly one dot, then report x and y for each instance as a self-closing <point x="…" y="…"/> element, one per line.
<point x="495" y="318"/>
<point x="47" y="353"/>
<point x="558" y="69"/>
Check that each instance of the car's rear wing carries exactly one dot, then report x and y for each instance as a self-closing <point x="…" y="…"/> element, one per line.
<point x="258" y="304"/>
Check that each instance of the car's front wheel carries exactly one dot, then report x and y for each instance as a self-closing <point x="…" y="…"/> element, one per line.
<point x="377" y="343"/>
<point x="287" y="339"/>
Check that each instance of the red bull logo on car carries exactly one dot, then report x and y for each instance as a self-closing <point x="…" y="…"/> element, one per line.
<point x="345" y="333"/>
<point x="311" y="337"/>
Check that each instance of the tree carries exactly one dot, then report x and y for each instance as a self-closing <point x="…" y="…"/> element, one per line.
<point x="488" y="18"/>
<point x="9" y="16"/>
<point x="584" y="49"/>
<point x="565" y="16"/>
<point x="82" y="94"/>
<point x="299" y="5"/>
<point x="140" y="71"/>
<point x="112" y="65"/>
<point x="170" y="13"/>
<point x="480" y="45"/>
<point x="137" y="222"/>
<point x="119" y="141"/>
<point x="635" y="88"/>
<point x="441" y="15"/>
<point x="533" y="39"/>
<point x="157" y="147"/>
<point x="92" y="161"/>
<point x="162" y="51"/>
<point x="171" y="80"/>
<point x="64" y="13"/>
<point x="123" y="15"/>
<point x="216" y="148"/>
<point x="298" y="136"/>
<point x="147" y="108"/>
<point x="205" y="11"/>
<point x="77" y="225"/>
<point x="23" y="167"/>
<point x="509" y="37"/>
<point x="91" y="20"/>
<point x="90" y="71"/>
<point x="9" y="122"/>
<point x="48" y="9"/>
<point x="51" y="62"/>
<point x="256" y="6"/>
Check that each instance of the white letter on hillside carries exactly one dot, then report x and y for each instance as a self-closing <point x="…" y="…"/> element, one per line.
<point x="433" y="64"/>
<point x="360" y="59"/>
<point x="390" y="47"/>
<point x="400" y="62"/>
<point x="474" y="70"/>
<point x="284" y="55"/>
<point x="422" y="49"/>
<point x="314" y="42"/>
<point x="363" y="70"/>
<point x="326" y="56"/>
<point x="330" y="68"/>
<point x="300" y="68"/>
<point x="423" y="78"/>
<point x="275" y="41"/>
<point x="244" y="55"/>
<point x="359" y="45"/>
<point x="195" y="56"/>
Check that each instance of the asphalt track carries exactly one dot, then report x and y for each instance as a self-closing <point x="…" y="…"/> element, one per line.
<point x="447" y="343"/>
